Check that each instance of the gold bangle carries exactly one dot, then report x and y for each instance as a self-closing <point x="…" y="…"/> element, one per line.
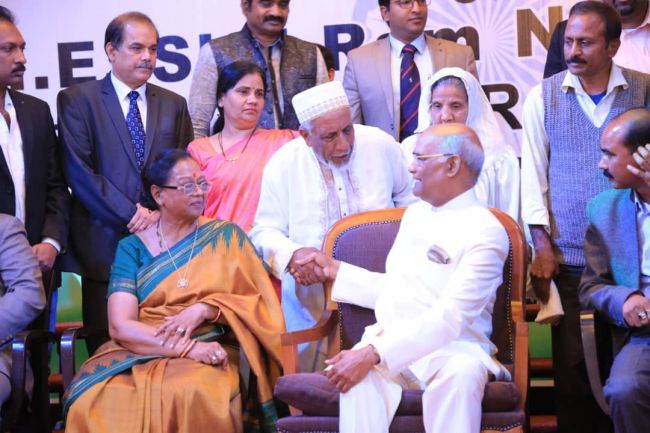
<point x="216" y="319"/>
<point x="187" y="348"/>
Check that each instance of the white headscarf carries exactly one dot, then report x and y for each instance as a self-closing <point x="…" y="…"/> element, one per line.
<point x="480" y="116"/>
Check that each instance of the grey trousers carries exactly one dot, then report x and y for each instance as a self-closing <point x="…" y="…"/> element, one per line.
<point x="627" y="390"/>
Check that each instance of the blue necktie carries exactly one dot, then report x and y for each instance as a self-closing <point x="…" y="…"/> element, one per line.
<point x="409" y="90"/>
<point x="136" y="129"/>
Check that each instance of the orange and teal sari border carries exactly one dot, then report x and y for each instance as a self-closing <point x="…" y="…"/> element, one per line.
<point x="161" y="267"/>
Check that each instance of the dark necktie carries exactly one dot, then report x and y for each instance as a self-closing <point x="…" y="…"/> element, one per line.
<point x="409" y="91"/>
<point x="136" y="129"/>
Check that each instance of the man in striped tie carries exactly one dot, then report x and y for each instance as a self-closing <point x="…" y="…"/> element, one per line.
<point x="384" y="79"/>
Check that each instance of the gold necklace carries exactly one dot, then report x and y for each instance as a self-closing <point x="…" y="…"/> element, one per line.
<point x="240" y="153"/>
<point x="183" y="281"/>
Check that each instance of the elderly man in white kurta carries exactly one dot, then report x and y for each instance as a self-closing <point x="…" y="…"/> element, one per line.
<point x="434" y="303"/>
<point x="333" y="170"/>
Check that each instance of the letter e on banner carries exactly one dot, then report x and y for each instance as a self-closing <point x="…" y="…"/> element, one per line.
<point x="67" y="64"/>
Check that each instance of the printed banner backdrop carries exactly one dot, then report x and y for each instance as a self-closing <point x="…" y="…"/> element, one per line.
<point x="65" y="38"/>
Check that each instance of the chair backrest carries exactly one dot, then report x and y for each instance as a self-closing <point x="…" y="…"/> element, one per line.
<point x="366" y="238"/>
<point x="363" y="240"/>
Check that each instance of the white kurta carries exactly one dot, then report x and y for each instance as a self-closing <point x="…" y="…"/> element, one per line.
<point x="431" y="314"/>
<point x="293" y="208"/>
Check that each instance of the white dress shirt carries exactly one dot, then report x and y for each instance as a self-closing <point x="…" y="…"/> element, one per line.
<point x="535" y="145"/>
<point x="634" y="52"/>
<point x="422" y="60"/>
<point x="12" y="148"/>
<point x="123" y="91"/>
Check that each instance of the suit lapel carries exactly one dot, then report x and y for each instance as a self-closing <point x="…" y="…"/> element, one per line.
<point x="109" y="98"/>
<point x="437" y="55"/>
<point x="26" y="133"/>
<point x="625" y="254"/>
<point x="153" y="110"/>
<point x="383" y="66"/>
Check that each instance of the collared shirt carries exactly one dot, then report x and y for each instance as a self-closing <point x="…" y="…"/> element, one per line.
<point x="123" y="91"/>
<point x="634" y="52"/>
<point x="535" y="144"/>
<point x="643" y="237"/>
<point x="12" y="148"/>
<point x="422" y="60"/>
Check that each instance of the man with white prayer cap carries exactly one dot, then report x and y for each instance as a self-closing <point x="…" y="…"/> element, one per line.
<point x="333" y="170"/>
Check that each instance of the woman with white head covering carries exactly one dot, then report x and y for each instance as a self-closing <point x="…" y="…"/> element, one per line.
<point x="457" y="96"/>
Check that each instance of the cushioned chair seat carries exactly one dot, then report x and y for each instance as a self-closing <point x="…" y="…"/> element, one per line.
<point x="314" y="395"/>
<point x="497" y="422"/>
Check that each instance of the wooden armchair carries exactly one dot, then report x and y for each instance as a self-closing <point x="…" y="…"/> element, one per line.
<point x="365" y="240"/>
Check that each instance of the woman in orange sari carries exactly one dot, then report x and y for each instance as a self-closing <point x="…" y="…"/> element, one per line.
<point x="185" y="296"/>
<point x="233" y="159"/>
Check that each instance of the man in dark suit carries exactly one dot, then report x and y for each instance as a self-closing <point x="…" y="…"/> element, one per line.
<point x="32" y="187"/>
<point x="616" y="279"/>
<point x="377" y="95"/>
<point x="110" y="128"/>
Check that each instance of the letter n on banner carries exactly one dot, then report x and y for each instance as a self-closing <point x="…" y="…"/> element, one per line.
<point x="528" y="24"/>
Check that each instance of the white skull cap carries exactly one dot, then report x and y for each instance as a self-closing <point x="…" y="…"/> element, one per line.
<point x="319" y="100"/>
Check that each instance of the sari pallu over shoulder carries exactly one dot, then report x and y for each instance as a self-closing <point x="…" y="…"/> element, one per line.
<point x="224" y="272"/>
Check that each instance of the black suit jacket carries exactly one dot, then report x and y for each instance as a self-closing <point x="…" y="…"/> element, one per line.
<point x="555" y="56"/>
<point x="46" y="194"/>
<point x="100" y="164"/>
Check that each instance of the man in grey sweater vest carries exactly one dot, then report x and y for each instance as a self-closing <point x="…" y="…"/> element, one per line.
<point x="291" y="66"/>
<point x="563" y="120"/>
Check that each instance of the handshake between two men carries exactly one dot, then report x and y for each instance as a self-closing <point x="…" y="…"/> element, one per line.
<point x="348" y="367"/>
<point x="310" y="266"/>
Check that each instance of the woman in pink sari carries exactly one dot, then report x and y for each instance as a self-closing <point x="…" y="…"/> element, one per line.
<point x="233" y="159"/>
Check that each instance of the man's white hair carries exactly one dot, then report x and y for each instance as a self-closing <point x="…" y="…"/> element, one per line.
<point x="467" y="146"/>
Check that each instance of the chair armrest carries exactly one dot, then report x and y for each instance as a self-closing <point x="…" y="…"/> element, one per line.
<point x="23" y="344"/>
<point x="69" y="338"/>
<point x="290" y="340"/>
<point x="521" y="373"/>
<point x="589" y="346"/>
<point x="63" y="326"/>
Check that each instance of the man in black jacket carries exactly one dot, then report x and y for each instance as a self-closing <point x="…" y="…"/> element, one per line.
<point x="32" y="187"/>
